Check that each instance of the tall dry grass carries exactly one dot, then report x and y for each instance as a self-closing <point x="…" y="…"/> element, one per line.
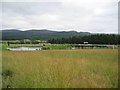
<point x="61" y="68"/>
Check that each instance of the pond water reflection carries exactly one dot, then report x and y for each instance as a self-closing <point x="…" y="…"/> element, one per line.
<point x="24" y="48"/>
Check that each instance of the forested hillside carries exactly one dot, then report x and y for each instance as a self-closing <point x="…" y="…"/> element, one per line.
<point x="38" y="34"/>
<point x="92" y="39"/>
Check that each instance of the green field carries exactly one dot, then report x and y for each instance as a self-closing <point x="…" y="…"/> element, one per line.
<point x="86" y="68"/>
<point x="51" y="46"/>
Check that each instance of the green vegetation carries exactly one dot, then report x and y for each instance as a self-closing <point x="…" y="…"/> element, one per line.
<point x="87" y="68"/>
<point x="55" y="37"/>
<point x="38" y="34"/>
<point x="92" y="39"/>
<point x="50" y="46"/>
<point x="59" y="46"/>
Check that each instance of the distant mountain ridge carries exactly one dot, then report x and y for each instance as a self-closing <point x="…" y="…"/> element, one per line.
<point x="43" y="34"/>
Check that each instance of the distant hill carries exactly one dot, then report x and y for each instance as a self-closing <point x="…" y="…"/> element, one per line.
<point x="44" y="34"/>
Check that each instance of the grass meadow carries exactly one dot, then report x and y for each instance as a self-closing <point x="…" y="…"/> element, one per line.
<point x="83" y="68"/>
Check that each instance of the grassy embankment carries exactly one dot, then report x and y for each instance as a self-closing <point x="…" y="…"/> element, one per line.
<point x="87" y="68"/>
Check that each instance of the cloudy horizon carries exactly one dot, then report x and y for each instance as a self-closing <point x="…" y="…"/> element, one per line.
<point x="95" y="16"/>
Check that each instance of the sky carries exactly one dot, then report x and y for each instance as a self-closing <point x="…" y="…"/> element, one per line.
<point x="95" y="16"/>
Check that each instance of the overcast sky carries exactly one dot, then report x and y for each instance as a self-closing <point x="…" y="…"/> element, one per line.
<point x="95" y="16"/>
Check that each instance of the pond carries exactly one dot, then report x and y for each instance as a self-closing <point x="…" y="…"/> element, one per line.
<point x="24" y="48"/>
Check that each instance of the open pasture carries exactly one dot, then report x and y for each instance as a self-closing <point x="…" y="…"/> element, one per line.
<point x="86" y="68"/>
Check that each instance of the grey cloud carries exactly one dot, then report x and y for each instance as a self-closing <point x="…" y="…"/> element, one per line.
<point x="28" y="8"/>
<point x="61" y="15"/>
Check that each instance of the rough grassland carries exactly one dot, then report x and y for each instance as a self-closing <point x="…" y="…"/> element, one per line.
<point x="61" y="68"/>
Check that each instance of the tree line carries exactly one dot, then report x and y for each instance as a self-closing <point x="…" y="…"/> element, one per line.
<point x="91" y="39"/>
